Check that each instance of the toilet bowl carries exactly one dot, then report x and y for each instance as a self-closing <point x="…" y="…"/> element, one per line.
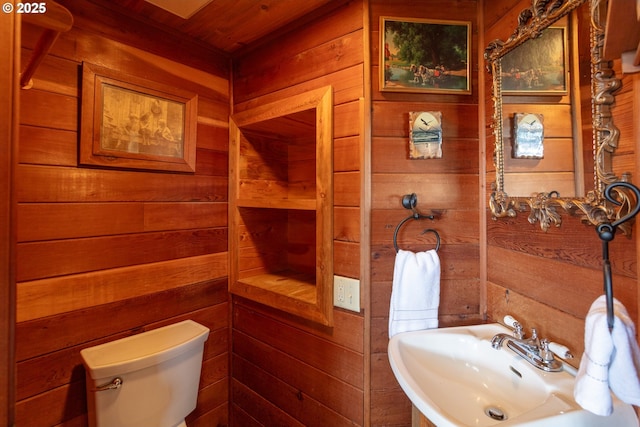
<point x="149" y="379"/>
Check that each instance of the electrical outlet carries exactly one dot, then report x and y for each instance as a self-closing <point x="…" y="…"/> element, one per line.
<point x="346" y="293"/>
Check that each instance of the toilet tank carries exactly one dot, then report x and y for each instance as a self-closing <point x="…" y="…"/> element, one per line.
<point x="150" y="379"/>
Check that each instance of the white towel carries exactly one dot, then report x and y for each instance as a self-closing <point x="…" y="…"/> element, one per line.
<point x="610" y="360"/>
<point x="415" y="293"/>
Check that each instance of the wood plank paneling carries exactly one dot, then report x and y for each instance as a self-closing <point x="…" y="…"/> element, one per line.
<point x="288" y="399"/>
<point x="48" y="146"/>
<point x="327" y="46"/>
<point x="80" y="46"/>
<point x="346" y="224"/>
<point x="9" y="137"/>
<point x="346" y="154"/>
<point x="125" y="29"/>
<point x="212" y="407"/>
<point x="249" y="407"/>
<point x="339" y="362"/>
<point x="183" y="216"/>
<point x="55" y="185"/>
<point x="573" y="243"/>
<point x="442" y="192"/>
<point x="346" y="187"/>
<point x="297" y="382"/>
<point x="392" y="153"/>
<point x="572" y="293"/>
<point x="446" y="187"/>
<point x="347" y="86"/>
<point x="339" y="50"/>
<point x="388" y="401"/>
<point x="46" y="221"/>
<point x="348" y="259"/>
<point x="287" y="371"/>
<point x="51" y="110"/>
<point x="347" y="120"/>
<point x="349" y="336"/>
<point x="105" y="253"/>
<point x="44" y="335"/>
<point x="53" y="408"/>
<point x="55" y="74"/>
<point x="393" y="119"/>
<point x="216" y="417"/>
<point x="453" y="226"/>
<point x="46" y="297"/>
<point x="40" y="260"/>
<point x="65" y="208"/>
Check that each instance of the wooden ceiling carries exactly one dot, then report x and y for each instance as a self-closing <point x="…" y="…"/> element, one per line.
<point x="228" y="25"/>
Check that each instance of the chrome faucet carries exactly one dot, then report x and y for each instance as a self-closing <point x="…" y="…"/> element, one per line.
<point x="534" y="350"/>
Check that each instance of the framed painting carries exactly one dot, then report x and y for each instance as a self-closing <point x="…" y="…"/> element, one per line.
<point x="133" y="123"/>
<point x="539" y="66"/>
<point x="422" y="55"/>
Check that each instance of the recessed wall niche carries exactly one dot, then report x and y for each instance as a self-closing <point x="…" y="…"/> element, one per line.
<point x="281" y="205"/>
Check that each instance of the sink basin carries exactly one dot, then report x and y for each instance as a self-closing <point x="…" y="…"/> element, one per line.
<point x="455" y="378"/>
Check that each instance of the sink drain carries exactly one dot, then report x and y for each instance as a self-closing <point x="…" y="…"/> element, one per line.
<point x="495" y="413"/>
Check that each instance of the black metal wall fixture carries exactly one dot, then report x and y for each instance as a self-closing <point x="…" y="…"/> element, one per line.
<point x="607" y="232"/>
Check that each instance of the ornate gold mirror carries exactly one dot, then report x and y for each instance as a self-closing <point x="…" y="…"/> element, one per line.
<point x="528" y="116"/>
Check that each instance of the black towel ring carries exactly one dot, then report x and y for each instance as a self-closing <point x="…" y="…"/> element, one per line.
<point x="416" y="216"/>
<point x="409" y="201"/>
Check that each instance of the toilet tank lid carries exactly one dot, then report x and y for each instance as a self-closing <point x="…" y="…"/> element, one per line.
<point x="142" y="350"/>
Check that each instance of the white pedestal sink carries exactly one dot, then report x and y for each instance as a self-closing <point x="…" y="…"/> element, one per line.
<point x="455" y="378"/>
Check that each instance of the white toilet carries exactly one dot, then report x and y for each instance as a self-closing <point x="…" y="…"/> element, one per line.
<point x="150" y="379"/>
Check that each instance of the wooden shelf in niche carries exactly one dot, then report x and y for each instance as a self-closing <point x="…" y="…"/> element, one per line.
<point x="303" y="204"/>
<point x="281" y="205"/>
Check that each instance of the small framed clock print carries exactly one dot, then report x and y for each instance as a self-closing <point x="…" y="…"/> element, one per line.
<point x="528" y="136"/>
<point x="425" y="135"/>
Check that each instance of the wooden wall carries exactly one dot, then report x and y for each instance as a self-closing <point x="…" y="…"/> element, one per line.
<point x="549" y="280"/>
<point x="9" y="100"/>
<point x="286" y="371"/>
<point x="106" y="253"/>
<point x="448" y="187"/>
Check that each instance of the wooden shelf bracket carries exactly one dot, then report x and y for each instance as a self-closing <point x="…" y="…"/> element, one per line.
<point x="55" y="20"/>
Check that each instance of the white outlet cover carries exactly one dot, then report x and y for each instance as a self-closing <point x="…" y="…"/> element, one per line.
<point x="346" y="293"/>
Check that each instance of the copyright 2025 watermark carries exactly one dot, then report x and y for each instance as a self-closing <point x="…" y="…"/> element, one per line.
<point x="34" y="7"/>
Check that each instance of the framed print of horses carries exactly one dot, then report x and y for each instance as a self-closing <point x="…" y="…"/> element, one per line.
<point x="539" y="66"/>
<point x="423" y="55"/>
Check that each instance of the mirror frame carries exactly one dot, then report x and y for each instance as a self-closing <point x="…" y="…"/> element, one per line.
<point x="593" y="208"/>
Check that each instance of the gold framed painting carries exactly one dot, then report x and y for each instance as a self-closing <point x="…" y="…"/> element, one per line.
<point x="538" y="67"/>
<point x="424" y="55"/>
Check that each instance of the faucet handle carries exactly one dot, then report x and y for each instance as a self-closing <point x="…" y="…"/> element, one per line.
<point x="560" y="350"/>
<point x="545" y="352"/>
<point x="518" y="331"/>
<point x="510" y="321"/>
